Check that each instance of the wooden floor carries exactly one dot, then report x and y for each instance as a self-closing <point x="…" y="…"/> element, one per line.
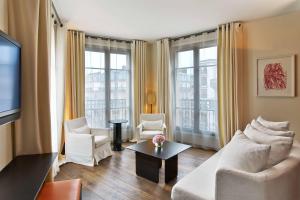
<point x="114" y="178"/>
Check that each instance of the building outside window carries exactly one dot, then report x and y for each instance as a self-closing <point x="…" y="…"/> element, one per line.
<point x="107" y="86"/>
<point x="195" y="79"/>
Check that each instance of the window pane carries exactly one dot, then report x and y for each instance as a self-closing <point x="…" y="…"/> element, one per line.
<point x="208" y="56"/>
<point x="96" y="59"/>
<point x="185" y="59"/>
<point x="120" y="86"/>
<point x="208" y="89"/>
<point x="95" y="97"/>
<point x="118" y="61"/>
<point x="185" y="98"/>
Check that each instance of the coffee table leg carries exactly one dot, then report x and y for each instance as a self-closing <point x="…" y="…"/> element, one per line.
<point x="147" y="166"/>
<point x="171" y="168"/>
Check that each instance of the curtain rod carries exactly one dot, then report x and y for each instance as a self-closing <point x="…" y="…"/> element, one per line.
<point x="107" y="38"/>
<point x="57" y="16"/>
<point x="194" y="34"/>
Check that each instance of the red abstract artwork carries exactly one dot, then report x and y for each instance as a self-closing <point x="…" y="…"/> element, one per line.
<point x="275" y="77"/>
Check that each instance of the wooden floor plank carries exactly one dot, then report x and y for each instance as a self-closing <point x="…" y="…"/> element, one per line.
<point x="115" y="179"/>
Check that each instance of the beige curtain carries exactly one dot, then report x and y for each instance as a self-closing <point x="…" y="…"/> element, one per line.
<point x="75" y="75"/>
<point x="138" y="52"/>
<point x="164" y="83"/>
<point x="229" y="80"/>
<point x="58" y="63"/>
<point x="29" y="23"/>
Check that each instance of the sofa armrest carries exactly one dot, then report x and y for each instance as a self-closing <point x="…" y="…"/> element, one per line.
<point x="235" y="184"/>
<point x="81" y="144"/>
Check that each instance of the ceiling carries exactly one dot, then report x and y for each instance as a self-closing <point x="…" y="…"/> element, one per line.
<point x="153" y="19"/>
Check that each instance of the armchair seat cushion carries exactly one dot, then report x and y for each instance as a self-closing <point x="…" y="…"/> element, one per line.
<point x="150" y="134"/>
<point x="101" y="140"/>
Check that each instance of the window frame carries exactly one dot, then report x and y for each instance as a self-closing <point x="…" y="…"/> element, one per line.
<point x="196" y="70"/>
<point x="107" y="72"/>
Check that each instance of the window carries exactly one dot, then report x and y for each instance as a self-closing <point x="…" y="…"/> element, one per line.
<point x="107" y="86"/>
<point x="196" y="90"/>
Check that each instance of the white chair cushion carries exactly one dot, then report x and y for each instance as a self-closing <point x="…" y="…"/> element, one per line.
<point x="255" y="124"/>
<point x="152" y="125"/>
<point x="101" y="140"/>
<point x="149" y="134"/>
<point x="280" y="145"/>
<point x="243" y="154"/>
<point x="277" y="126"/>
<point x="82" y="130"/>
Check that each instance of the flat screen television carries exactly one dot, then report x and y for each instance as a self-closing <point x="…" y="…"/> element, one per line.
<point x="10" y="79"/>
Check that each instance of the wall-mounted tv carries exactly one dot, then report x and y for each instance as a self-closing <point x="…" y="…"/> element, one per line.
<point x="10" y="79"/>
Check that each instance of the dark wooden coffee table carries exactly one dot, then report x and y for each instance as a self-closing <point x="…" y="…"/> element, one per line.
<point x="148" y="159"/>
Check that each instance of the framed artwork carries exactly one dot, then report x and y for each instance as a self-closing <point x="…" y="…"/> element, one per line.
<point x="276" y="76"/>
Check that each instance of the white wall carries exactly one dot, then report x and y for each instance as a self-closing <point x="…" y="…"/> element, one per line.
<point x="5" y="130"/>
<point x="273" y="36"/>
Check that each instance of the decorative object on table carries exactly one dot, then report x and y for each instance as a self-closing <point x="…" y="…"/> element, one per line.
<point x="276" y="76"/>
<point x="158" y="140"/>
<point x="151" y="99"/>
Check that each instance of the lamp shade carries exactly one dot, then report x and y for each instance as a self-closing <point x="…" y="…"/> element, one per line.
<point x="151" y="99"/>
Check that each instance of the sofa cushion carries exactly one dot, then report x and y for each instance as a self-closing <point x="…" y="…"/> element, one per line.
<point x="152" y="125"/>
<point x="277" y="126"/>
<point x="100" y="140"/>
<point x="82" y="130"/>
<point x="200" y="183"/>
<point x="280" y="145"/>
<point x="149" y="134"/>
<point x="243" y="154"/>
<point x="255" y="124"/>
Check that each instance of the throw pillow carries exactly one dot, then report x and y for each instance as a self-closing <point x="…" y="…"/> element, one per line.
<point x="255" y="124"/>
<point x="152" y="125"/>
<point x="243" y="154"/>
<point x="277" y="126"/>
<point x="280" y="145"/>
<point x="82" y="130"/>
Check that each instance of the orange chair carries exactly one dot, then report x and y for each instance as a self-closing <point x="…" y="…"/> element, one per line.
<point x="61" y="190"/>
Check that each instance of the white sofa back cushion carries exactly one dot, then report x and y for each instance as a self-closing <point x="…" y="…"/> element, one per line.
<point x="243" y="154"/>
<point x="277" y="126"/>
<point x="280" y="145"/>
<point x="255" y="124"/>
<point x="152" y="125"/>
<point x="82" y="130"/>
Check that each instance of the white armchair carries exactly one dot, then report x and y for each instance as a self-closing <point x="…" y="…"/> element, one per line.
<point x="84" y="145"/>
<point x="151" y="125"/>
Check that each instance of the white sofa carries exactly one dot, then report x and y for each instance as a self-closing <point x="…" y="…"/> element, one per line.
<point x="280" y="182"/>
<point x="86" y="149"/>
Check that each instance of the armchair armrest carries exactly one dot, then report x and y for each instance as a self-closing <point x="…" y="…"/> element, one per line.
<point x="140" y="126"/>
<point x="139" y="130"/>
<point x="164" y="128"/>
<point x="82" y="144"/>
<point x="101" y="131"/>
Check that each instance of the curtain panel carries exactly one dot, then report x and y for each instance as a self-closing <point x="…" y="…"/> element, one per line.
<point x="58" y="63"/>
<point x="194" y="73"/>
<point x="230" y="49"/>
<point x="164" y="84"/>
<point x="108" y="83"/>
<point x="75" y="76"/>
<point x="29" y="22"/>
<point x="138" y="52"/>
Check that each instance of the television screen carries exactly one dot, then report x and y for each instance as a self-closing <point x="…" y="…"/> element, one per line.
<point x="10" y="76"/>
